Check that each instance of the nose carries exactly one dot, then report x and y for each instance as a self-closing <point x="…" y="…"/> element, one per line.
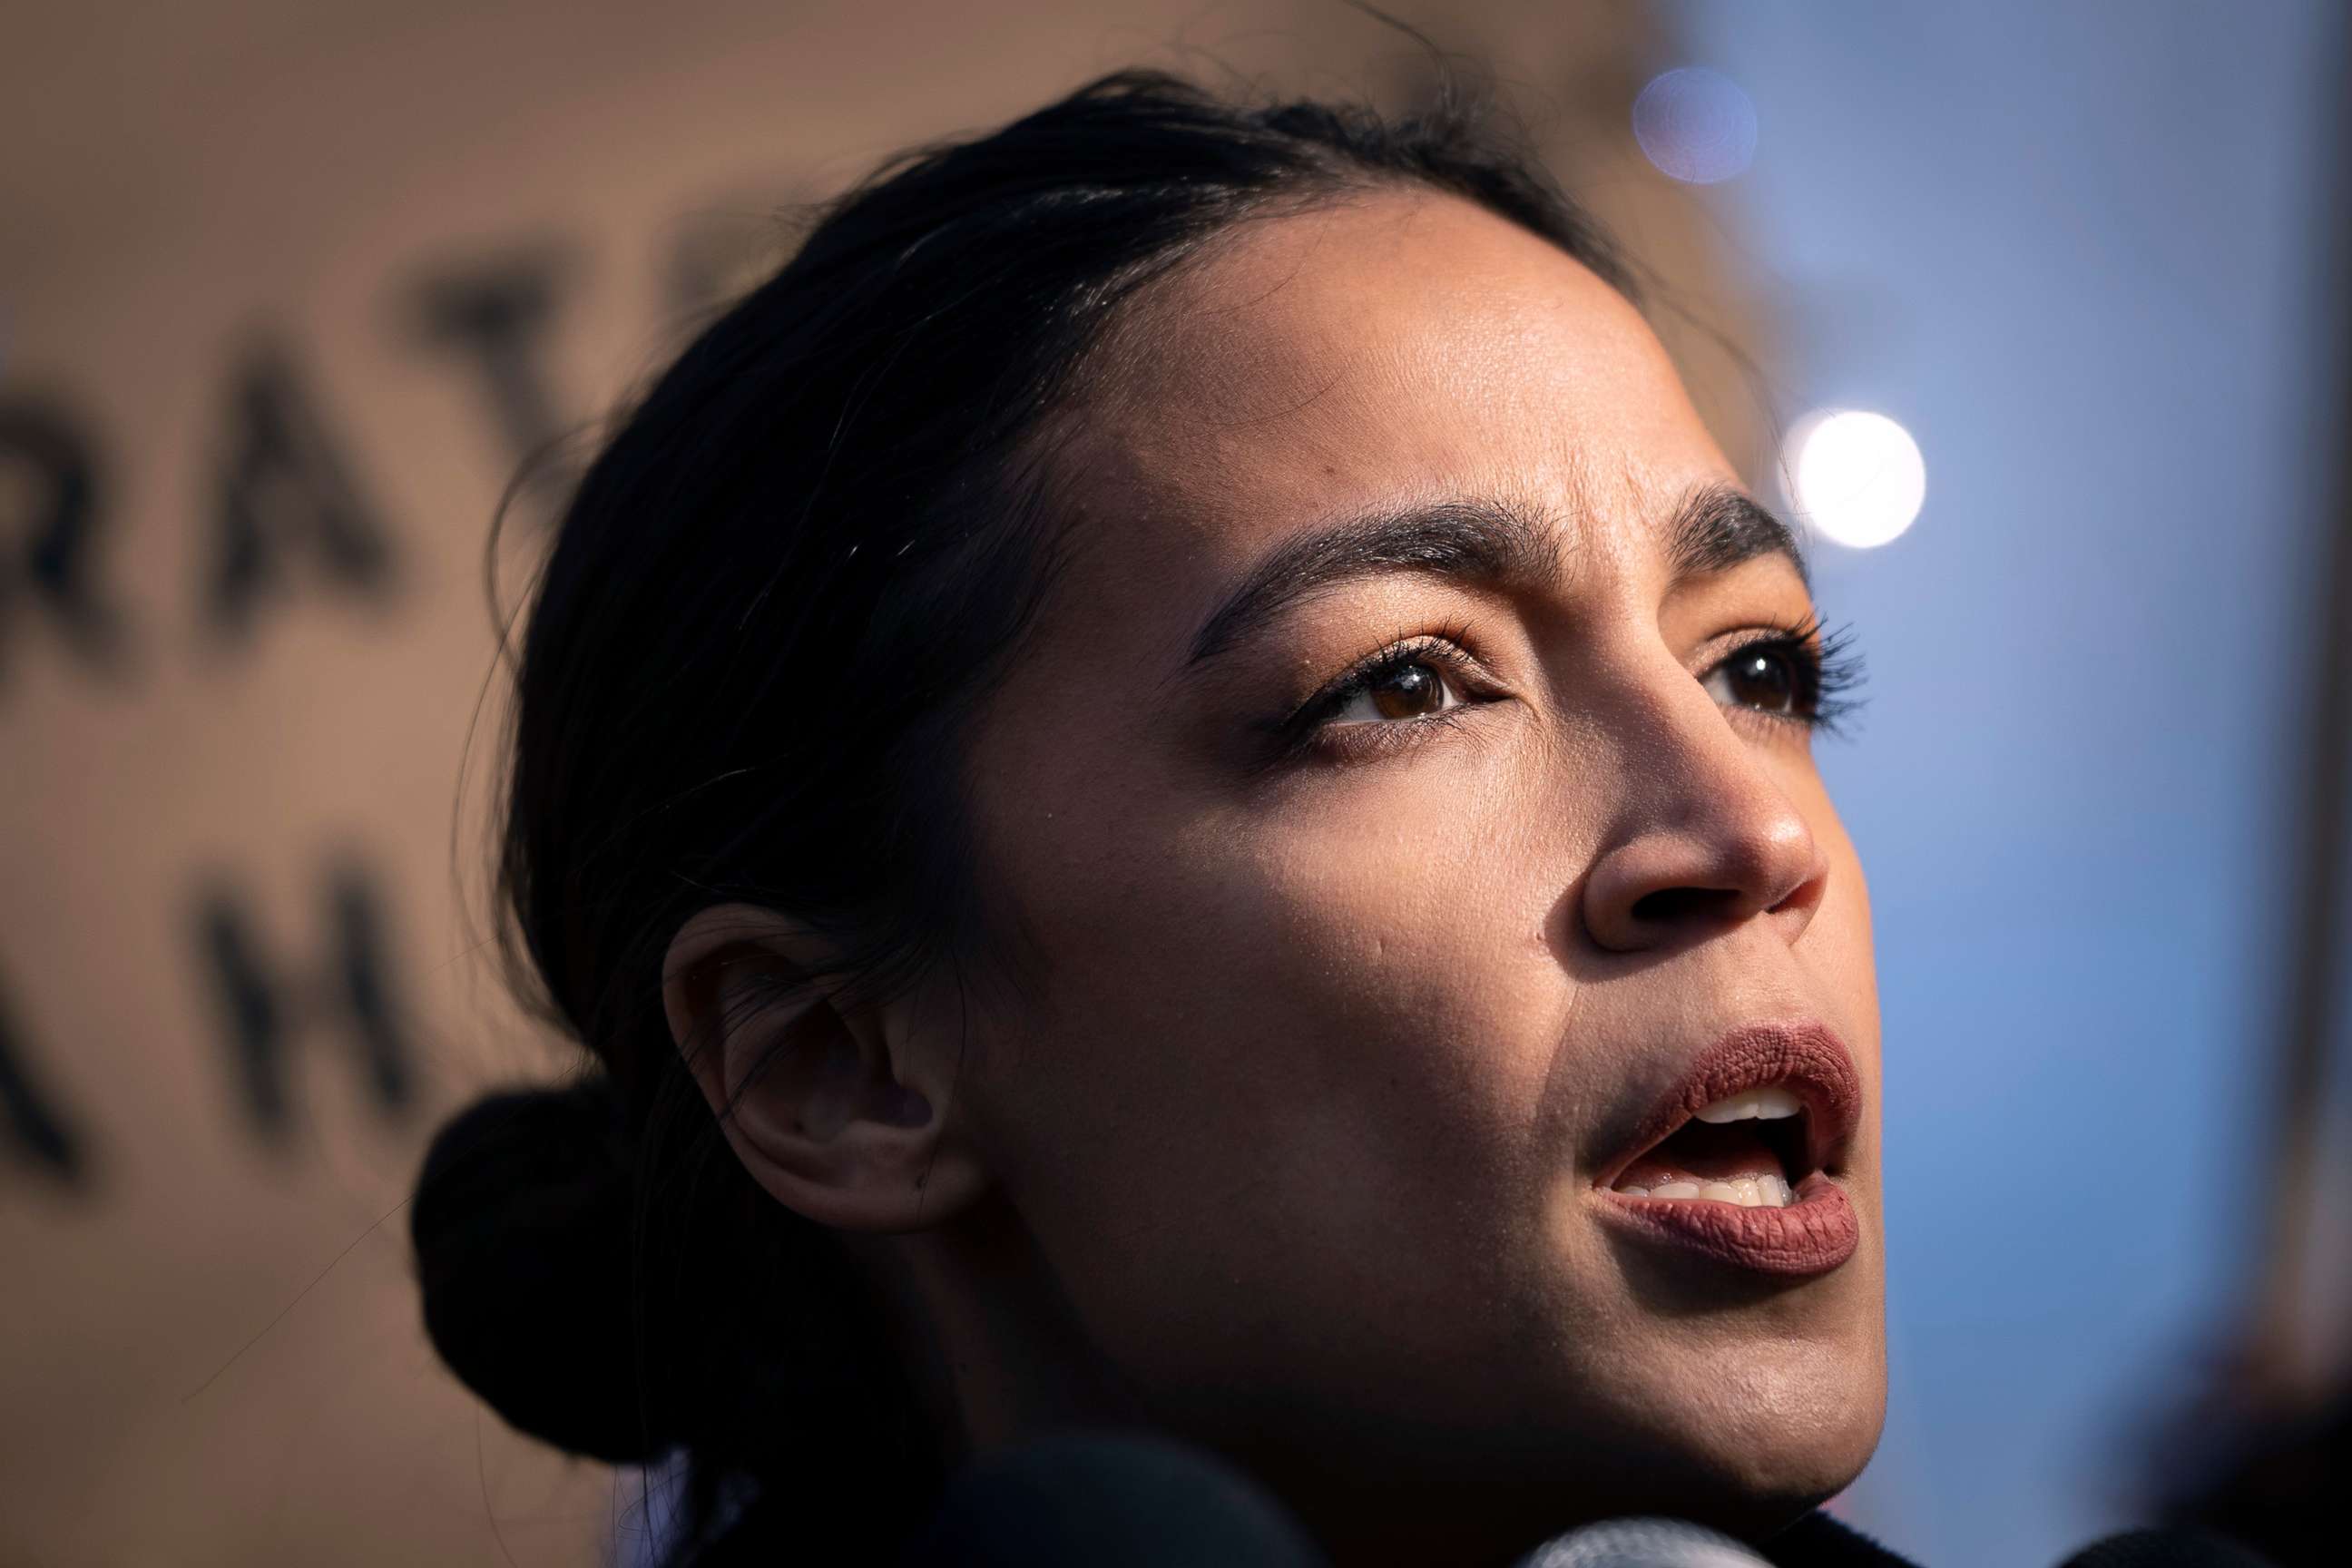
<point x="1705" y="841"/>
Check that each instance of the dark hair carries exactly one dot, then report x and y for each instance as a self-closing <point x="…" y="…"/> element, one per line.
<point x="839" y="487"/>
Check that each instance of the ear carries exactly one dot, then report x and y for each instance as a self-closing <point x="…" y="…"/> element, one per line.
<point x="838" y="1114"/>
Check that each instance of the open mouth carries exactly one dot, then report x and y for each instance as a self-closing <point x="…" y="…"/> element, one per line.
<point x="1739" y="1161"/>
<point x="1748" y="1149"/>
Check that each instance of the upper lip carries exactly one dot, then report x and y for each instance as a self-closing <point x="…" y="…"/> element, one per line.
<point x="1804" y="1057"/>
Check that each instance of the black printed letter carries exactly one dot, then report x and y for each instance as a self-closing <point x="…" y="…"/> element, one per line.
<point x="497" y="316"/>
<point x="262" y="1010"/>
<point x="49" y="504"/>
<point x="33" y="1128"/>
<point x="284" y="484"/>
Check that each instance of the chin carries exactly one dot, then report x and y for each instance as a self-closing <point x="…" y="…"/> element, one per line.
<point x="1786" y="1434"/>
<point x="1754" y="1501"/>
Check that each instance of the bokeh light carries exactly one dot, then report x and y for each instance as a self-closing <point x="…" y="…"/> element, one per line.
<point x="1696" y="125"/>
<point x="1856" y="475"/>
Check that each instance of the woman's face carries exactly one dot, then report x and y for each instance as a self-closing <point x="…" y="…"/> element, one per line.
<point x="1356" y="1002"/>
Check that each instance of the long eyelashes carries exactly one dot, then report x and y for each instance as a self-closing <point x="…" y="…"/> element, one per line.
<point x="1829" y="671"/>
<point x="1826" y="673"/>
<point x="1441" y="649"/>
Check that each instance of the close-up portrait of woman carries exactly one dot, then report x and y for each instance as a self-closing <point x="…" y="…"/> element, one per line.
<point x="944" y="787"/>
<point x="1175" y="788"/>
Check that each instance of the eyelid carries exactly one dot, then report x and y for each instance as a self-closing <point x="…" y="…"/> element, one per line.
<point x="1443" y="645"/>
<point x="1832" y="671"/>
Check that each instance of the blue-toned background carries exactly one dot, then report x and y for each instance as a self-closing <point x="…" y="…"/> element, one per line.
<point x="2077" y="250"/>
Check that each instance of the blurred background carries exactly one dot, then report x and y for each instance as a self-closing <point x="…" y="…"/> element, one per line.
<point x="2032" y="313"/>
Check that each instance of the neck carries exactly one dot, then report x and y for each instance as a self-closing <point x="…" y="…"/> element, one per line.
<point x="998" y="1357"/>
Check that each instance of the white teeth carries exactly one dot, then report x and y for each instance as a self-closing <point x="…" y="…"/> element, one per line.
<point x="1755" y="1105"/>
<point x="1765" y="1190"/>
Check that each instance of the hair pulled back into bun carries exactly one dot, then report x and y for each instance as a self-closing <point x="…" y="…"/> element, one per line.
<point x="839" y="487"/>
<point x="732" y="1331"/>
<point x="521" y="1225"/>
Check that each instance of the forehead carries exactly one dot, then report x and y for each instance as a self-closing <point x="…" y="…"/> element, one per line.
<point x="1402" y="346"/>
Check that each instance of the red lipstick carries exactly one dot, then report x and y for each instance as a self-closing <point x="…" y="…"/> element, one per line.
<point x="1818" y="1230"/>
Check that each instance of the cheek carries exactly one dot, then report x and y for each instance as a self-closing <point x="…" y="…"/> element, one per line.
<point x="1278" y="1048"/>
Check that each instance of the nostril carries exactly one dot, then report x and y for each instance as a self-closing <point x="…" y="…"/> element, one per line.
<point x="1673" y="906"/>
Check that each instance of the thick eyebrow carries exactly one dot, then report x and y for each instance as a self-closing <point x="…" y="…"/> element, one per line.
<point x="1718" y="526"/>
<point x="1712" y="528"/>
<point x="1478" y="541"/>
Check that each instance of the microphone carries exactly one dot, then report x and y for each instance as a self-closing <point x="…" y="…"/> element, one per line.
<point x="1121" y="1500"/>
<point x="1109" y="1500"/>
<point x="1644" y="1544"/>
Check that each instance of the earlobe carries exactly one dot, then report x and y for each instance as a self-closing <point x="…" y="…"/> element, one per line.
<point x="834" y="1112"/>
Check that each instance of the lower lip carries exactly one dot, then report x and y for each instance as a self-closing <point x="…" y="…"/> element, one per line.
<point x="1814" y="1235"/>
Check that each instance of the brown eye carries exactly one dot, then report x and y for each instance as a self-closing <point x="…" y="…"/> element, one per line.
<point x="1765" y="677"/>
<point x="1410" y="690"/>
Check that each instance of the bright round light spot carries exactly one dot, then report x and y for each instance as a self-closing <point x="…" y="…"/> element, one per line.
<point x="1696" y="125"/>
<point x="1856" y="477"/>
